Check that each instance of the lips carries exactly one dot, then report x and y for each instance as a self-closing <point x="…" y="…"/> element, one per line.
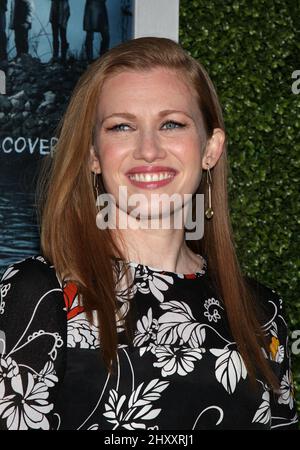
<point x="151" y="177"/>
<point x="150" y="169"/>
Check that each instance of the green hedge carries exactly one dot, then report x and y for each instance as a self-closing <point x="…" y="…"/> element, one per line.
<point x="250" y="49"/>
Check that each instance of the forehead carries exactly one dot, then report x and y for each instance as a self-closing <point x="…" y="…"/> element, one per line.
<point x="159" y="85"/>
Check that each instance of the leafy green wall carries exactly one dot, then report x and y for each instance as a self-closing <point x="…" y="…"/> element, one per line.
<point x="250" y="49"/>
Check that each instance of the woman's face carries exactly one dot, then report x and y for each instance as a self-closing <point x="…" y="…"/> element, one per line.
<point x="148" y="121"/>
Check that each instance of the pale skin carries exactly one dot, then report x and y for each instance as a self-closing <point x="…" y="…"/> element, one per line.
<point x="151" y="139"/>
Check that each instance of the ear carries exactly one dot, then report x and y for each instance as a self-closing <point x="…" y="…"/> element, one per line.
<point x="214" y="148"/>
<point x="94" y="161"/>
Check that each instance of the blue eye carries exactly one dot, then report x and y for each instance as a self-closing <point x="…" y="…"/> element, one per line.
<point x="119" y="127"/>
<point x="172" y="122"/>
<point x="170" y="125"/>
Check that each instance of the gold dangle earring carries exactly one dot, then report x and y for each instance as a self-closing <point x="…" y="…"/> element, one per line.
<point x="209" y="212"/>
<point x="97" y="190"/>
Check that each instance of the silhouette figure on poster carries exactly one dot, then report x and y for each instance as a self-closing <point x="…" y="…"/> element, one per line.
<point x="96" y="20"/>
<point x="3" y="37"/>
<point x="126" y="18"/>
<point x="59" y="16"/>
<point x="20" y="21"/>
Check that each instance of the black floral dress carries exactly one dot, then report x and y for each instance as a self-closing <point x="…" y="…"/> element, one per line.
<point x="180" y="371"/>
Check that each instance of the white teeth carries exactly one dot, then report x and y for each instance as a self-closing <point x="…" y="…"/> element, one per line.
<point x="151" y="176"/>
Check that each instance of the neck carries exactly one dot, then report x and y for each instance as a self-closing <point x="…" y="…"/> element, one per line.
<point x="161" y="248"/>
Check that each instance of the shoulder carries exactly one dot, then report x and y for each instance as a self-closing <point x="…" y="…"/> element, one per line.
<point x="271" y="313"/>
<point x="27" y="282"/>
<point x="33" y="270"/>
<point x="33" y="344"/>
<point x="268" y="302"/>
<point x="272" y="317"/>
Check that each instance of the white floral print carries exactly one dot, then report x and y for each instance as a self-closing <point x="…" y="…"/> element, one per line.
<point x="179" y="324"/>
<point x="230" y="368"/>
<point x="181" y="353"/>
<point x="8" y="370"/>
<point x="47" y="375"/>
<point x="5" y="287"/>
<point x="155" y="283"/>
<point x="263" y="414"/>
<point x="212" y="313"/>
<point x="146" y="329"/>
<point x="138" y="408"/>
<point x="28" y="406"/>
<point x="286" y="390"/>
<point x="177" y="360"/>
<point x="83" y="334"/>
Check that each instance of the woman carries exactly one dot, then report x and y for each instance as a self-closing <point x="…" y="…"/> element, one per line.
<point x="131" y="327"/>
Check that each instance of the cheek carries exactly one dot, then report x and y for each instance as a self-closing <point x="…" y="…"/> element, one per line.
<point x="113" y="146"/>
<point x="189" y="151"/>
<point x="110" y="156"/>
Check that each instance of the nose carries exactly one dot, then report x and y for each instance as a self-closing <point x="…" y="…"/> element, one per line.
<point x="149" y="147"/>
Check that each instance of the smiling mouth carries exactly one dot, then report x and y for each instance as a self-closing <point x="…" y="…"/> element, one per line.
<point x="151" y="180"/>
<point x="151" y="177"/>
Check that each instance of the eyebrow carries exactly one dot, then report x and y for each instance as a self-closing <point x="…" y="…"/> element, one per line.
<point x="128" y="115"/>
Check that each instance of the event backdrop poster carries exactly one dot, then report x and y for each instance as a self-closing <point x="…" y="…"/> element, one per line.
<point x="45" y="45"/>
